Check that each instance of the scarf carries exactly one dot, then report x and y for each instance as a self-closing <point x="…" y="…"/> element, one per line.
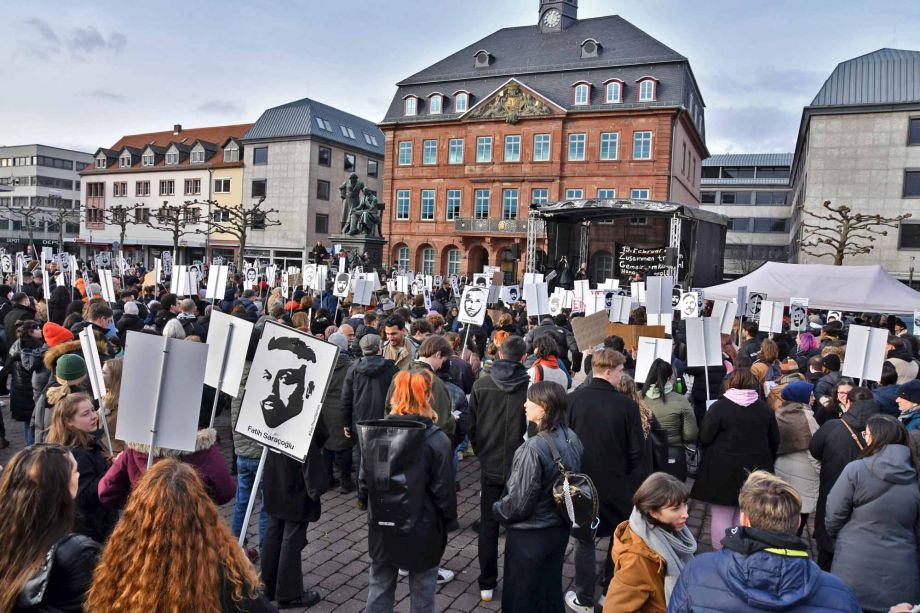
<point x="677" y="549"/>
<point x="743" y="397"/>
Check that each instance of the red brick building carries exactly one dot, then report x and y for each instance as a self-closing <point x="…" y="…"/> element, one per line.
<point x="566" y="109"/>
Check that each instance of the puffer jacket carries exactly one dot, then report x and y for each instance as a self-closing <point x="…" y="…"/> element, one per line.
<point x="22" y="402"/>
<point x="364" y="394"/>
<point x="675" y="416"/>
<point x="497" y="422"/>
<point x="873" y="510"/>
<point x="747" y="578"/>
<point x="33" y="360"/>
<point x="131" y="464"/>
<point x="41" y="415"/>
<point x="527" y="502"/>
<point x="63" y="588"/>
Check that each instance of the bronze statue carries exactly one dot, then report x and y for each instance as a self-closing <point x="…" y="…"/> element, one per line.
<point x="365" y="218"/>
<point x="350" y="192"/>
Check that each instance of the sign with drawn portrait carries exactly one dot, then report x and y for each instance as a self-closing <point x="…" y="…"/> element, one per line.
<point x="473" y="305"/>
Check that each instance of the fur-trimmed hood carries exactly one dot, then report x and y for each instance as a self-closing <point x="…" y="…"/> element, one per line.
<point x="53" y="353"/>
<point x="204" y="439"/>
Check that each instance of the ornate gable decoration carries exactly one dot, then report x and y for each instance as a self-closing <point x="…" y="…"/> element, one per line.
<point x="511" y="102"/>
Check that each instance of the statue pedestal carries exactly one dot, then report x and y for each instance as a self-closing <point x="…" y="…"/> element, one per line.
<point x="371" y="245"/>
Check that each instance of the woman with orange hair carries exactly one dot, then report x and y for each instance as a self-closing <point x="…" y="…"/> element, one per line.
<point x="172" y="552"/>
<point x="408" y="481"/>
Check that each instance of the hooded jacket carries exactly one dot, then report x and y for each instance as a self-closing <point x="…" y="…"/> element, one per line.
<point x="94" y="519"/>
<point x="675" y="416"/>
<point x="41" y="415"/>
<point x="873" y="511"/>
<point x="834" y="447"/>
<point x="131" y="464"/>
<point x="22" y="401"/>
<point x="747" y="578"/>
<point x="638" y="580"/>
<point x="497" y="422"/>
<point x="364" y="394"/>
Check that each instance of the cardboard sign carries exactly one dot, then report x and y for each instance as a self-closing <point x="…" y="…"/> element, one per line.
<point x="590" y="331"/>
<point x="689" y="305"/>
<point x="473" y="305"/>
<point x="724" y="312"/>
<point x="648" y="351"/>
<point x="285" y="392"/>
<point x="536" y="296"/>
<point x="228" y="342"/>
<point x="509" y="294"/>
<point x="217" y="283"/>
<point x="704" y="345"/>
<point x="752" y="310"/>
<point x="105" y="280"/>
<point x="620" y="308"/>
<point x="798" y="314"/>
<point x="631" y="334"/>
<point x="342" y="283"/>
<point x="364" y="289"/>
<point x="866" y="350"/>
<point x="771" y="316"/>
<point x="161" y="402"/>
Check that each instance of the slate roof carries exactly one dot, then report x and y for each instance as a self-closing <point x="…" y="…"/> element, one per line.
<point x="550" y="63"/>
<point x="886" y="76"/>
<point x="749" y="159"/>
<point x="298" y="120"/>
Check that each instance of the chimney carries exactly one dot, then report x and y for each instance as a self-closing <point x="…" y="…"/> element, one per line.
<point x="177" y="128"/>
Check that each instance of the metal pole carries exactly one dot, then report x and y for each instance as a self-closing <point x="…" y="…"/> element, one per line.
<point x="252" y="496"/>
<point x="105" y="428"/>
<point x="156" y="412"/>
<point x="705" y="360"/>
<point x="220" y="378"/>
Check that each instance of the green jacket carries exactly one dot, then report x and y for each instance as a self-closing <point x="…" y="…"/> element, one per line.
<point x="440" y="399"/>
<point x="675" y="416"/>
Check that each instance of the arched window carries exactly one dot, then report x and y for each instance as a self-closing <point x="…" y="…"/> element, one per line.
<point x="411" y="105"/>
<point x="603" y="266"/>
<point x="461" y="102"/>
<point x="434" y="104"/>
<point x="647" y="90"/>
<point x="453" y="262"/>
<point x="427" y="261"/>
<point x="402" y="258"/>
<point x="614" y="92"/>
<point x="582" y="91"/>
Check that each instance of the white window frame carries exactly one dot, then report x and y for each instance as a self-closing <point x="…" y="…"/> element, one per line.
<point x="403" y="196"/>
<point x="233" y="153"/>
<point x="124" y="161"/>
<point x="100" y="162"/>
<point x="218" y="184"/>
<point x="638" y="142"/>
<point x="451" y="150"/>
<point x="542" y="200"/>
<point x="640" y="193"/>
<point x="461" y="102"/>
<point x="454" y="257"/>
<point x="428" y="256"/>
<point x="402" y="258"/>
<point x="454" y="196"/>
<point x="514" y="140"/>
<point x="606" y="193"/>
<point x="511" y="196"/>
<point x="405" y="146"/>
<point x="574" y="193"/>
<point x="197" y="156"/>
<point x="616" y="147"/>
<point x="574" y="140"/>
<point x="172" y="158"/>
<point x="647" y="90"/>
<point x="476" y="200"/>
<point x="483" y="146"/>
<point x="429" y="145"/>
<point x="427" y="196"/>
<point x="539" y="145"/>
<point x="614" y="87"/>
<point x="435" y="104"/>
<point x="148" y="159"/>
<point x="410" y="106"/>
<point x="582" y="94"/>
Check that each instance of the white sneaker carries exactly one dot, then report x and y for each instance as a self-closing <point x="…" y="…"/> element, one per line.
<point x="486" y="595"/>
<point x="444" y="576"/>
<point x="571" y="601"/>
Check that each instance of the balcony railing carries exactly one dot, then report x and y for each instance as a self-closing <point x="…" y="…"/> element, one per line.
<point x="467" y="225"/>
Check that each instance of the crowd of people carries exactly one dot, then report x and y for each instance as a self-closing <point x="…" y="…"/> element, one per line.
<point x="779" y="446"/>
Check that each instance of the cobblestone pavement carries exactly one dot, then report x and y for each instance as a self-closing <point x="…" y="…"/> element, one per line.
<point x="335" y="561"/>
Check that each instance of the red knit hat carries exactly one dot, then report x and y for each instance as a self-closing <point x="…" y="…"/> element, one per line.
<point x="55" y="334"/>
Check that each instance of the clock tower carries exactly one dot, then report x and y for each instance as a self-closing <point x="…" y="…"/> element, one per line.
<point x="557" y="15"/>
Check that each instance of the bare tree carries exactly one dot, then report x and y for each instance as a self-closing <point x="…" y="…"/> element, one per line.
<point x="238" y="220"/>
<point x="177" y="220"/>
<point x="745" y="262"/>
<point x="122" y="216"/>
<point x="58" y="215"/>
<point x="31" y="215"/>
<point x="842" y="232"/>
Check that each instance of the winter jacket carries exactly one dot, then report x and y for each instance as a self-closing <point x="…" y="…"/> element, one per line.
<point x="440" y="401"/>
<point x="41" y="415"/>
<point x="833" y="446"/>
<point x="19" y="312"/>
<point x="824" y="387"/>
<point x="564" y="338"/>
<point x="550" y="369"/>
<point x="131" y="464"/>
<point x="745" y="577"/>
<point x="675" y="416"/>
<point x="332" y="412"/>
<point x="243" y="446"/>
<point x="638" y="578"/>
<point x="698" y="396"/>
<point x="22" y="402"/>
<point x="527" y="502"/>
<point x="497" y="421"/>
<point x="886" y="397"/>
<point x="735" y="440"/>
<point x="911" y="418"/>
<point x="793" y="462"/>
<point x="128" y="323"/>
<point x="608" y="425"/>
<point x="62" y="589"/>
<point x="94" y="519"/>
<point x="33" y="360"/>
<point x="459" y="407"/>
<point x="873" y="511"/>
<point x="364" y="393"/>
<point x="292" y="489"/>
<point x="401" y="356"/>
<point x="411" y="498"/>
<point x="461" y="373"/>
<point x="750" y="349"/>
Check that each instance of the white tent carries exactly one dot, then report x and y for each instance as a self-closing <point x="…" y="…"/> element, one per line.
<point x="846" y="288"/>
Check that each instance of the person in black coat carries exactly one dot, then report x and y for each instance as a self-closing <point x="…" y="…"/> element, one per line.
<point x="408" y="480"/>
<point x="57" y="304"/>
<point x="291" y="493"/>
<point x="610" y="428"/>
<point x="698" y="396"/>
<point x="497" y="428"/>
<point x="22" y="401"/>
<point x="837" y="443"/>
<point x="739" y="434"/>
<point x="22" y="309"/>
<point x="338" y="446"/>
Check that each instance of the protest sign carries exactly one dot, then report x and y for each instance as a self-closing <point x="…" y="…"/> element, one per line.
<point x="271" y="275"/>
<point x="704" y="345"/>
<point x="916" y="328"/>
<point x="105" y="280"/>
<point x="611" y="284"/>
<point x="6" y="262"/>
<point x="473" y="305"/>
<point x="648" y="350"/>
<point x="798" y="314"/>
<point x="532" y="277"/>
<point x="94" y="374"/>
<point x="771" y="316"/>
<point x="631" y="333"/>
<point x="250" y="277"/>
<point x="555" y="303"/>
<point x="178" y="280"/>
<point x="865" y="355"/>
<point x="637" y="291"/>
<point x="364" y="289"/>
<point x="590" y="330"/>
<point x="342" y="283"/>
<point x="834" y="315"/>
<point x="620" y="308"/>
<point x="582" y="289"/>
<point x="536" y="295"/>
<point x="228" y="342"/>
<point x="689" y="305"/>
<point x="510" y="294"/>
<point x="309" y="276"/>
<point x="741" y="301"/>
<point x="482" y="279"/>
<point x="217" y="283"/>
<point x="752" y="308"/>
<point x="723" y="311"/>
<point x="46" y="287"/>
<point x="167" y="262"/>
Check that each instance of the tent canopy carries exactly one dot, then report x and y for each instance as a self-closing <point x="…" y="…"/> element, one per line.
<point x="846" y="288"/>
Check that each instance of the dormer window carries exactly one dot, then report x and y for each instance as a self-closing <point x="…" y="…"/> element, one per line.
<point x="647" y="89"/>
<point x="172" y="158"/>
<point x="232" y="153"/>
<point x="124" y="161"/>
<point x="614" y="88"/>
<point x="435" y="102"/>
<point x="197" y="156"/>
<point x="347" y="132"/>
<point x="582" y="94"/>
<point x="461" y="102"/>
<point x="147" y="159"/>
<point x="483" y="59"/>
<point x="590" y="48"/>
<point x="411" y="106"/>
<point x="100" y="161"/>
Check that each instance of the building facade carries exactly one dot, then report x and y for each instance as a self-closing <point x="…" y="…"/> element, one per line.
<point x="752" y="190"/>
<point x="163" y="169"/>
<point x="297" y="156"/>
<point x="567" y="109"/>
<point x="40" y="186"/>
<point x="859" y="145"/>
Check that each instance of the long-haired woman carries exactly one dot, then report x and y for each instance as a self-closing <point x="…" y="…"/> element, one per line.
<point x="74" y="425"/>
<point x="171" y="551"/>
<point x="43" y="565"/>
<point x="674" y="413"/>
<point x="425" y="492"/>
<point x="873" y="510"/>
<point x="111" y="373"/>
<point x="69" y="377"/>
<point x="537" y="536"/>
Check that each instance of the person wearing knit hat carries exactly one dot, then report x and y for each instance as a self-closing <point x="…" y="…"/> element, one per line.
<point x="798" y="391"/>
<point x="831" y="362"/>
<point x="909" y="403"/>
<point x="55" y="334"/>
<point x="69" y="377"/>
<point x="793" y="464"/>
<point x="70" y="368"/>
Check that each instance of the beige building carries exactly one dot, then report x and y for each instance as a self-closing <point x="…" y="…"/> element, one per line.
<point x="859" y="145"/>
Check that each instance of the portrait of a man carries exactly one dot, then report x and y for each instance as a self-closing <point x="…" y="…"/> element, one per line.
<point x="474" y="301"/>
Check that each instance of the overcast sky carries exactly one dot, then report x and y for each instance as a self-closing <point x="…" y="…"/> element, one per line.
<point x="80" y="74"/>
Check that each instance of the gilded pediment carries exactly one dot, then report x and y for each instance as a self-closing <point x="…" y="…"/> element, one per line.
<point x="511" y="102"/>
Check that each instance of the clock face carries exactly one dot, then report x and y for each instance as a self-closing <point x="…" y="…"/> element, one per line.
<point x="551" y="18"/>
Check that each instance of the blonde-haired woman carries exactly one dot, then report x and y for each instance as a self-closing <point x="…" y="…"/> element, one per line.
<point x="69" y="376"/>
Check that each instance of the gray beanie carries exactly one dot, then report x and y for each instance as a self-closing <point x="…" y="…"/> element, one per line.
<point x="340" y="341"/>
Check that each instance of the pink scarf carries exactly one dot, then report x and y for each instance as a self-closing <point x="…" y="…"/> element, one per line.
<point x="742" y="397"/>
